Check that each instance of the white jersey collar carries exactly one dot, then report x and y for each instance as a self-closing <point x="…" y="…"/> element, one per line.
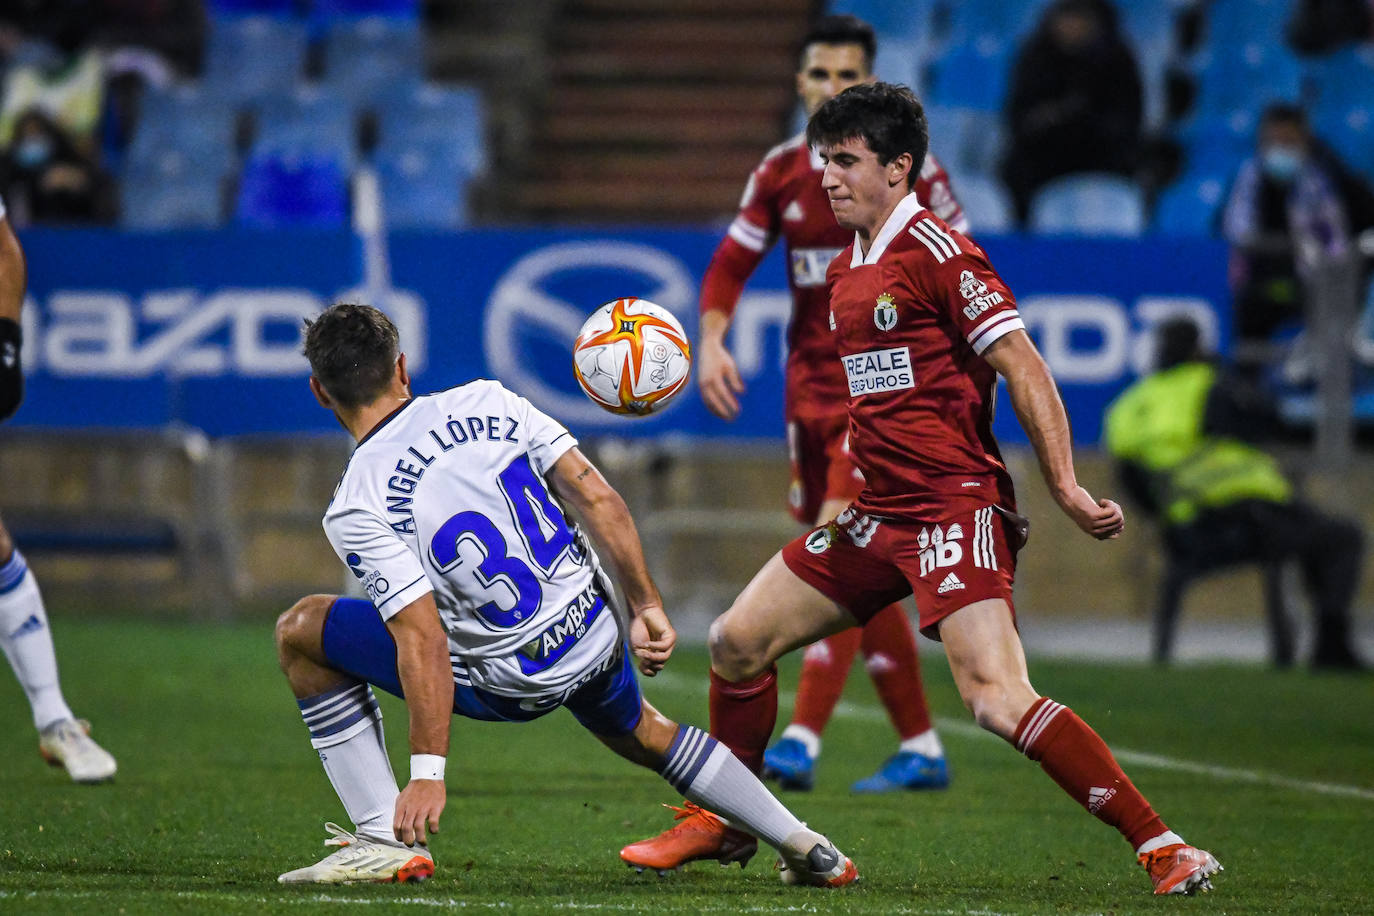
<point x="906" y="208"/>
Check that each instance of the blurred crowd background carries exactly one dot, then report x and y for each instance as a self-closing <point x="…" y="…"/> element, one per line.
<point x="1246" y="121"/>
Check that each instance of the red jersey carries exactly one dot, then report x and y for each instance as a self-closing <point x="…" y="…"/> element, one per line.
<point x="784" y="198"/>
<point x="911" y="318"/>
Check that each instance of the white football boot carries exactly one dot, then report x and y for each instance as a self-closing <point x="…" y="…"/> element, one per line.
<point x="363" y="860"/>
<point x="809" y="859"/>
<point x="68" y="744"/>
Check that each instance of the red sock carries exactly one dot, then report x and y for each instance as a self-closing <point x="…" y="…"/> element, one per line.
<point x="743" y="714"/>
<point x="1076" y="758"/>
<point x="825" y="668"/>
<point x="889" y="649"/>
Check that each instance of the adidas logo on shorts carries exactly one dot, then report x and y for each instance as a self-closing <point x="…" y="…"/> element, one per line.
<point x="950" y="584"/>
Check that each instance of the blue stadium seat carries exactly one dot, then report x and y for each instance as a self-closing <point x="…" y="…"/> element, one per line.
<point x="253" y="57"/>
<point x="1217" y="145"/>
<point x="366" y="59"/>
<point x="1228" y="23"/>
<point x="913" y="20"/>
<point x="225" y="9"/>
<point x="333" y="10"/>
<point x="309" y="121"/>
<point x="965" y="140"/>
<point x="1089" y="204"/>
<point x="300" y="191"/>
<point x="1246" y="76"/>
<point x="1350" y="132"/>
<point x="151" y="202"/>
<point x="434" y="117"/>
<point x="973" y="75"/>
<point x="1190" y="205"/>
<point x="422" y="192"/>
<point x="1150" y="22"/>
<point x="998" y="20"/>
<point x="183" y="123"/>
<point x="1343" y="79"/>
<point x="986" y="204"/>
<point x="900" y="60"/>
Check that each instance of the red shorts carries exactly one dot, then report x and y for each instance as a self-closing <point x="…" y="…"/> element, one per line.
<point x="818" y="449"/>
<point x="863" y="563"/>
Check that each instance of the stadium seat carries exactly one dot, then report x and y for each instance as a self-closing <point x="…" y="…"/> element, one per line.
<point x="253" y="57"/>
<point x="1342" y="80"/>
<point x="221" y="9"/>
<point x="1089" y="204"/>
<point x="182" y="124"/>
<point x="310" y="121"/>
<point x="1246" y="76"/>
<point x="150" y="201"/>
<point x="1350" y="133"/>
<point x="913" y="20"/>
<point x="1228" y="23"/>
<point x="365" y="59"/>
<point x="334" y="10"/>
<point x="973" y="21"/>
<point x="900" y="60"/>
<point x="973" y="75"/>
<point x="986" y="204"/>
<point x="292" y="191"/>
<point x="1190" y="205"/>
<point x="422" y="192"/>
<point x="1150" y="22"/>
<point x="967" y="141"/>
<point x="1217" y="145"/>
<point x="434" y="117"/>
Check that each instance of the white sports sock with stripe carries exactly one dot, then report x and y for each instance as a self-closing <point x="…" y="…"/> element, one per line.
<point x="346" y="729"/>
<point x="27" y="642"/>
<point x="705" y="772"/>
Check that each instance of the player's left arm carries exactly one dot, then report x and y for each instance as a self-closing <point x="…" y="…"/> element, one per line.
<point x="422" y="660"/>
<point x="576" y="481"/>
<point x="12" y="282"/>
<point x="1038" y="407"/>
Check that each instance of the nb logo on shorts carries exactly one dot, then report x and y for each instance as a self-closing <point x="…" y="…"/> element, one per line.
<point x="940" y="548"/>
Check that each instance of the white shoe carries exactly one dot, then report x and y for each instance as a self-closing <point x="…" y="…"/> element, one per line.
<point x="67" y="744"/>
<point x="820" y="865"/>
<point x="363" y="860"/>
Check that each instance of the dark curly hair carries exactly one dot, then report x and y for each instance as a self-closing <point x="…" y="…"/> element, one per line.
<point x="888" y="118"/>
<point x="352" y="351"/>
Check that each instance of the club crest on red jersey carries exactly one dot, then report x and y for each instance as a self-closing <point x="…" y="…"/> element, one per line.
<point x="819" y="541"/>
<point x="885" y="313"/>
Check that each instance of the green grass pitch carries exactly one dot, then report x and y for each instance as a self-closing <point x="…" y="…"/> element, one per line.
<point x="219" y="791"/>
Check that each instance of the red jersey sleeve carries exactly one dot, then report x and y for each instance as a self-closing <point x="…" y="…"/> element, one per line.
<point x="934" y="190"/>
<point x="958" y="280"/>
<point x="751" y="234"/>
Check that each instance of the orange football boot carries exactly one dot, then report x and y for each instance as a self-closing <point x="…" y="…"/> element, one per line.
<point x="1180" y="869"/>
<point x="698" y="834"/>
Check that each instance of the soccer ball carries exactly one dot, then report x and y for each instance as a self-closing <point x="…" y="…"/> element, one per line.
<point x="632" y="356"/>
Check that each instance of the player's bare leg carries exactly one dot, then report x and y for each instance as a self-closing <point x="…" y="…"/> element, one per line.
<point x="345" y="725"/>
<point x="989" y="668"/>
<point x="890" y="658"/>
<point x="63" y="740"/>
<point x="711" y="777"/>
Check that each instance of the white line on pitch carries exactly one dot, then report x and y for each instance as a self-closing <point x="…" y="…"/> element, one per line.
<point x="683" y="684"/>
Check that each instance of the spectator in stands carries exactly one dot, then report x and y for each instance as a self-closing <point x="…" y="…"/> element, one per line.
<point x="1321" y="26"/>
<point x="1184" y="439"/>
<point x="46" y="179"/>
<point x="1076" y="100"/>
<point x="70" y="87"/>
<point x="1284" y="216"/>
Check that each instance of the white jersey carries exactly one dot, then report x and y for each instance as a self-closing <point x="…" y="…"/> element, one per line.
<point x="448" y="495"/>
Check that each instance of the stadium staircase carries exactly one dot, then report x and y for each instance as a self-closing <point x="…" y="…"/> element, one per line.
<point x="655" y="110"/>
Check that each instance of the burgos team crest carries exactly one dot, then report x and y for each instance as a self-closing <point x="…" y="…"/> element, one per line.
<point x="885" y="313"/>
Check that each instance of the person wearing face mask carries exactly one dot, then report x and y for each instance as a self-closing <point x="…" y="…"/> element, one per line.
<point x="46" y="179"/>
<point x="1075" y="103"/>
<point x="1284" y="216"/>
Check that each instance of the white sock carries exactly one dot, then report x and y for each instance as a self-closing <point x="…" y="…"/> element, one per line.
<point x="27" y="642"/>
<point x="809" y="739"/>
<point x="705" y="772"/>
<point x="346" y="728"/>
<point x="1167" y="838"/>
<point x="927" y="744"/>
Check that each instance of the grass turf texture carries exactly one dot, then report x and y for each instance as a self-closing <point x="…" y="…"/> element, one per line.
<point x="219" y="791"/>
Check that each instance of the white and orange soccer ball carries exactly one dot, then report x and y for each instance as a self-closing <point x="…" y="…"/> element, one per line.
<point x="632" y="356"/>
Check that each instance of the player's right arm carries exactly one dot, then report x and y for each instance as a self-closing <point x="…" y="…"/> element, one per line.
<point x="12" y="282"/>
<point x="576" y="481"/>
<point x="746" y="242"/>
<point x="422" y="661"/>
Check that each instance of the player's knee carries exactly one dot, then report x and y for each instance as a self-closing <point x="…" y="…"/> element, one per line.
<point x="735" y="654"/>
<point x="301" y="624"/>
<point x="995" y="707"/>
